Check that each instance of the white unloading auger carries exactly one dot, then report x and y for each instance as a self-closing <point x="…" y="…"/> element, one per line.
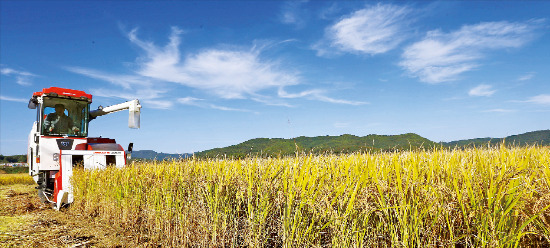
<point x="132" y="106"/>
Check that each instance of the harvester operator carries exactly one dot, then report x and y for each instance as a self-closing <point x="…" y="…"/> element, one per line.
<point x="58" y="122"/>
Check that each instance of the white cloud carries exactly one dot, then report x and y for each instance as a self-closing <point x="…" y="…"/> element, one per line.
<point x="234" y="74"/>
<point x="12" y="99"/>
<point x="7" y="71"/>
<point x="372" y="30"/>
<point x="292" y="13"/>
<point x="482" y="90"/>
<point x="441" y="57"/>
<point x="229" y="74"/>
<point x="527" y="76"/>
<point x="22" y="78"/>
<point x="543" y="99"/>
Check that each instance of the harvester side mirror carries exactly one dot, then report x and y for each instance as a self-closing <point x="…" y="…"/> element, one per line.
<point x="129" y="153"/>
<point x="32" y="103"/>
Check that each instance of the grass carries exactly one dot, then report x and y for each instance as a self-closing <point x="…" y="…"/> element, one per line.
<point x="492" y="197"/>
<point x="20" y="178"/>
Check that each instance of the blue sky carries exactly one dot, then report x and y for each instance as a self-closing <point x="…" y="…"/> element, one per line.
<point x="214" y="74"/>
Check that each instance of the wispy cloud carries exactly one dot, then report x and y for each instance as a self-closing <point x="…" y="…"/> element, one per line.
<point x="372" y="30"/>
<point x="543" y="99"/>
<point x="213" y="106"/>
<point x="203" y="104"/>
<point x="159" y="104"/>
<point x="441" y="57"/>
<point x="282" y="93"/>
<point x="190" y="101"/>
<point x="13" y="99"/>
<point x="324" y="98"/>
<point x="341" y="125"/>
<point x="293" y="13"/>
<point x="125" y="81"/>
<point x="527" y="76"/>
<point x="227" y="73"/>
<point x="319" y="95"/>
<point x="272" y="101"/>
<point x="151" y="97"/>
<point x="133" y="87"/>
<point x="482" y="90"/>
<point x="499" y="110"/>
<point x="22" y="78"/>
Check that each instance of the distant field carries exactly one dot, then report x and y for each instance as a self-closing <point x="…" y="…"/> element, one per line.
<point x="493" y="197"/>
<point x="13" y="170"/>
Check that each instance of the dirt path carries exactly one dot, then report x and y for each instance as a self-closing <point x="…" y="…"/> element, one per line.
<point x="26" y="222"/>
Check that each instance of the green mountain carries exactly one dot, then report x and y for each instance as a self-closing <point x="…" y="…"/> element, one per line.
<point x="350" y="143"/>
<point x="152" y="155"/>
<point x="335" y="144"/>
<point x="541" y="137"/>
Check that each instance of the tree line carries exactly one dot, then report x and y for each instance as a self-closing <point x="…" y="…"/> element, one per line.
<point x="13" y="159"/>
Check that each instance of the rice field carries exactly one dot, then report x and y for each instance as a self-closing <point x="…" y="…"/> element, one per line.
<point x="480" y="197"/>
<point x="18" y="178"/>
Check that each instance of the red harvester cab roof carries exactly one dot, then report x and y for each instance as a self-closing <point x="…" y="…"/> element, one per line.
<point x="56" y="91"/>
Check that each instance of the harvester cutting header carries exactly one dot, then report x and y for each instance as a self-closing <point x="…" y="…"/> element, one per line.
<point x="59" y="140"/>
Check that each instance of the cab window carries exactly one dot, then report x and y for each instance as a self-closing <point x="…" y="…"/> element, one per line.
<point x="64" y="117"/>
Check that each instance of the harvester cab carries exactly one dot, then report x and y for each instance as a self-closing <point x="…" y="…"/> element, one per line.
<point x="59" y="140"/>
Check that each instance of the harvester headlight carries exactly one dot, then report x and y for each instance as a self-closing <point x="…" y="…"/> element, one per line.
<point x="56" y="157"/>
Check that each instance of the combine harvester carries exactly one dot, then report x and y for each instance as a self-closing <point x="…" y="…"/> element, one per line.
<point x="59" y="141"/>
